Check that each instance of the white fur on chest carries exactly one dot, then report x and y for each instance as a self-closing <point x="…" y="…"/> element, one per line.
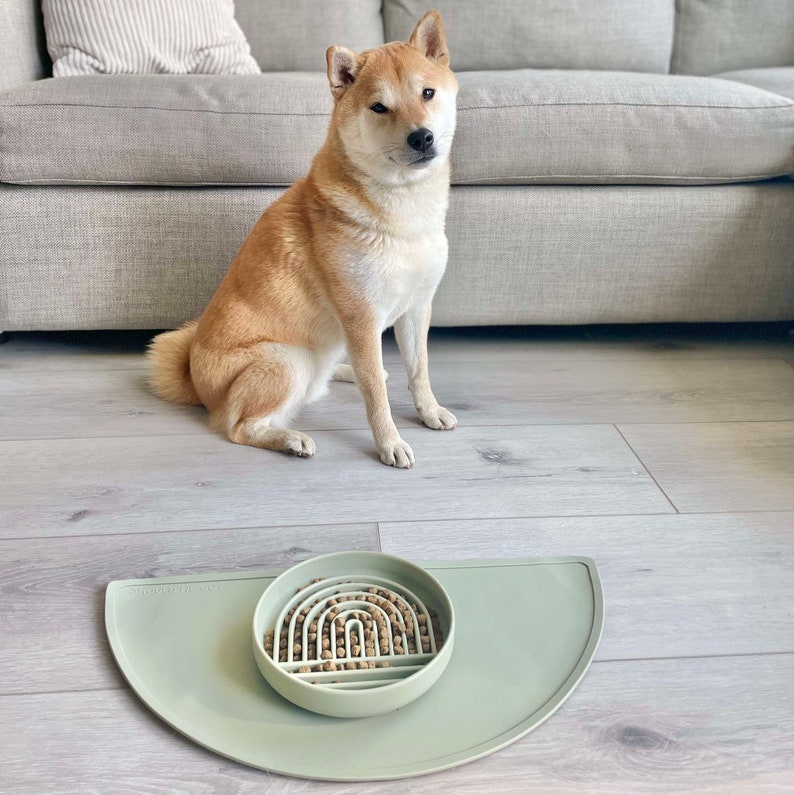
<point x="399" y="259"/>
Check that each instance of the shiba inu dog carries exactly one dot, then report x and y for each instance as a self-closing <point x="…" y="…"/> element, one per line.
<point x="353" y="248"/>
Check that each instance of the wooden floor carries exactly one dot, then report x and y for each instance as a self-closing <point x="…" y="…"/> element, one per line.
<point x="665" y="453"/>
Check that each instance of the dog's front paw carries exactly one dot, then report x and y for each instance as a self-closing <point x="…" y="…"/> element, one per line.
<point x="438" y="418"/>
<point x="396" y="453"/>
<point x="299" y="444"/>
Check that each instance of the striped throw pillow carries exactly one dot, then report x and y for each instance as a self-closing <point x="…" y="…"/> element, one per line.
<point x="86" y="37"/>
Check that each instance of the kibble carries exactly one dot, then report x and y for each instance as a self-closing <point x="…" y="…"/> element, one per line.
<point x="387" y="624"/>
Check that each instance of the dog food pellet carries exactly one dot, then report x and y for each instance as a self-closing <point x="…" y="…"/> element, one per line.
<point x="384" y="624"/>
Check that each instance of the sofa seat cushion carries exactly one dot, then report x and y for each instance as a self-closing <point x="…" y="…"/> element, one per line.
<point x="164" y="129"/>
<point x="554" y="126"/>
<point x="777" y="79"/>
<point x="514" y="127"/>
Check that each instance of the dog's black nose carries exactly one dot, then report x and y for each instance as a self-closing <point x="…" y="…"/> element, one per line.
<point x="421" y="140"/>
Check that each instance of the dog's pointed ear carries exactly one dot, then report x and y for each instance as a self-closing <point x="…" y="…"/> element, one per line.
<point x="429" y="38"/>
<point x="343" y="66"/>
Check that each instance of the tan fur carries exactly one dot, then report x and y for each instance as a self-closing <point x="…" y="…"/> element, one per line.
<point x="352" y="248"/>
<point x="169" y="362"/>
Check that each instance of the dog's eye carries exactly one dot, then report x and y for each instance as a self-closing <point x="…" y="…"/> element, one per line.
<point x="378" y="108"/>
<point x="428" y="93"/>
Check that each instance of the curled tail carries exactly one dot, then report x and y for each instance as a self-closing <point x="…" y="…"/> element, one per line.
<point x="169" y="365"/>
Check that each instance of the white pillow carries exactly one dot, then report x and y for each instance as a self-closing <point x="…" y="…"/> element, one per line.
<point x="87" y="37"/>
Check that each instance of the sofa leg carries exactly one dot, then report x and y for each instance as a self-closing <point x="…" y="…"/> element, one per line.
<point x="3" y="337"/>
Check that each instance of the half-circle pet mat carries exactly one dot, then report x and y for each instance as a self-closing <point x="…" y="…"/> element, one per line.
<point x="527" y="631"/>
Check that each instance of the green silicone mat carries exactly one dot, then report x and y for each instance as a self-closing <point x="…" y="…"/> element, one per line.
<point x="527" y="631"/>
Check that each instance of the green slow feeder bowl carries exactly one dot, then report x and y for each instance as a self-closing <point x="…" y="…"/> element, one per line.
<point x="343" y="590"/>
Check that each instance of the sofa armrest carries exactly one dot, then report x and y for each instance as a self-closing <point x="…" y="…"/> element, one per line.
<point x="23" y="50"/>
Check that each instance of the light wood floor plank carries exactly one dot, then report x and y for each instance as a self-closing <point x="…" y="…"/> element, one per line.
<point x="52" y="611"/>
<point x="95" y="403"/>
<point x="674" y="585"/>
<point x="614" y="391"/>
<point x="719" y="725"/>
<point x="118" y="402"/>
<point x="741" y="466"/>
<point x="88" y="486"/>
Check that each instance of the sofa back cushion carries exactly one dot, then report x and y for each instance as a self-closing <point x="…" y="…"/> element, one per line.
<point x="294" y="36"/>
<point x="722" y="35"/>
<point x="23" y="52"/>
<point x="630" y="35"/>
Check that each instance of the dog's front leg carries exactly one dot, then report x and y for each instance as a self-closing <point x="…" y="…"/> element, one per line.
<point x="364" y="348"/>
<point x="411" y="331"/>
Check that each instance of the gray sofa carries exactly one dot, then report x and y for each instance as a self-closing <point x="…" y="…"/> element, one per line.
<point x="616" y="161"/>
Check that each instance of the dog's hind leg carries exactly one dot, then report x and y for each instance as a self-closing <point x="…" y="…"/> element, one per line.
<point x="261" y="402"/>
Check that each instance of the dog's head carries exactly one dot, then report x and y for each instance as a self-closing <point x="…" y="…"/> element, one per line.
<point x="395" y="104"/>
